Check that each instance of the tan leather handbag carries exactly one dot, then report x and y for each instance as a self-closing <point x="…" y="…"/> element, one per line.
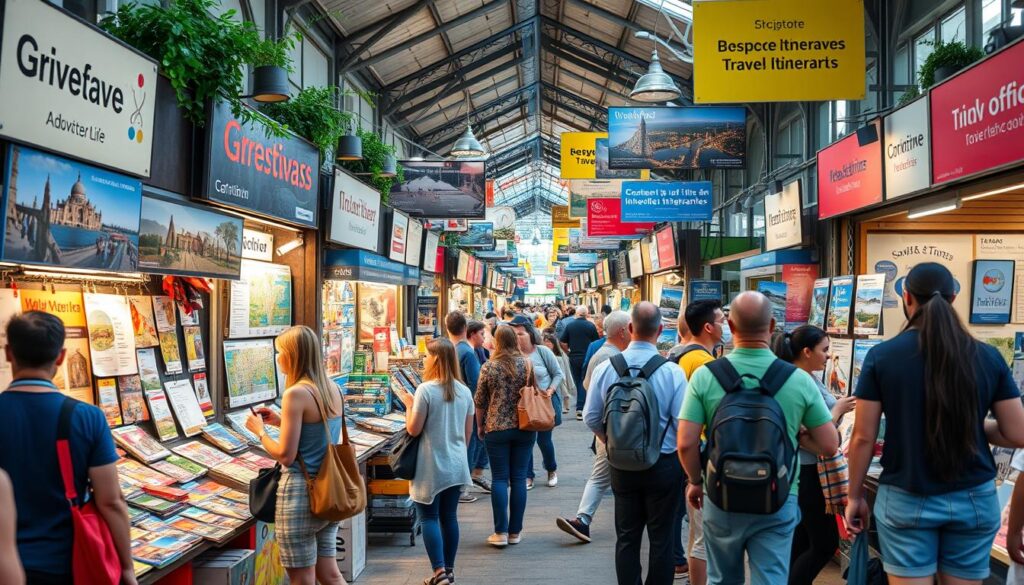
<point x="536" y="413"/>
<point x="338" y="491"/>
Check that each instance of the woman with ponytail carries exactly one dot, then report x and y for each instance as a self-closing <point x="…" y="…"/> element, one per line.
<point x="936" y="507"/>
<point x="817" y="536"/>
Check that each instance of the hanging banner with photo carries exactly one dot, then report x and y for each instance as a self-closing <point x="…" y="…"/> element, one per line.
<point x="455" y="189"/>
<point x="778" y="51"/>
<point x="560" y="217"/>
<point x="604" y="219"/>
<point x="677" y="138"/>
<point x="659" y="201"/>
<point x="603" y="171"/>
<point x="181" y="238"/>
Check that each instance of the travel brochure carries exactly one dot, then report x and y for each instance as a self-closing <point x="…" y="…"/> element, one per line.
<point x="261" y="300"/>
<point x="138" y="474"/>
<point x="203" y="394"/>
<point x="194" y="352"/>
<point x="224" y="438"/>
<point x="861" y="347"/>
<point x="837" y="368"/>
<point x="839" y="306"/>
<point x="236" y="420"/>
<point x="111" y="335"/>
<point x="161" y="411"/>
<point x="166" y="315"/>
<point x="143" y="321"/>
<point x="133" y="404"/>
<point x="202" y="454"/>
<point x="867" y="308"/>
<point x="819" y="303"/>
<point x="106" y="399"/>
<point x="185" y="406"/>
<point x="181" y="469"/>
<point x="170" y="352"/>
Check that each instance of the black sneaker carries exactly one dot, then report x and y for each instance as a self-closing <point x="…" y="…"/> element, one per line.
<point x="574" y="527"/>
<point x="579" y="415"/>
<point x="482" y="483"/>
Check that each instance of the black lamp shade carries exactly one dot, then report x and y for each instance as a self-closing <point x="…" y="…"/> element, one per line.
<point x="350" y="147"/>
<point x="270" y="84"/>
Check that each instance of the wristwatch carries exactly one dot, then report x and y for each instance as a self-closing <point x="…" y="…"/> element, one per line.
<point x="699" y="482"/>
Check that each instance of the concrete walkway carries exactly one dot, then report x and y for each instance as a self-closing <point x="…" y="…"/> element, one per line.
<point x="546" y="554"/>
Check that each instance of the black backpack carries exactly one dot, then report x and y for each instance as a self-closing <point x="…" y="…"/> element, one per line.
<point x="751" y="461"/>
<point x="631" y="417"/>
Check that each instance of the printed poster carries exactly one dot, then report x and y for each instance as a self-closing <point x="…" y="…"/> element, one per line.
<point x="860" y="351"/>
<point x="1005" y="247"/>
<point x="106" y="399"/>
<point x="840" y="305"/>
<point x="170" y="352"/>
<point x="776" y="293"/>
<point x="799" y="279"/>
<point x="837" y="368"/>
<point x="203" y="394"/>
<point x="377" y="308"/>
<point x="74" y="376"/>
<point x="10" y="305"/>
<point x="992" y="292"/>
<point x="143" y="321"/>
<point x="261" y="300"/>
<point x="426" y="315"/>
<point x="185" y="406"/>
<point x="867" y="308"/>
<point x="133" y="404"/>
<point x="194" y="349"/>
<point x="251" y="372"/>
<point x="671" y="303"/>
<point x="819" y="303"/>
<point x="111" y="335"/>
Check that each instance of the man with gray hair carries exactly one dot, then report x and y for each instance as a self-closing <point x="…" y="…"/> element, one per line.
<point x="579" y="333"/>
<point x="649" y="498"/>
<point x="616" y="328"/>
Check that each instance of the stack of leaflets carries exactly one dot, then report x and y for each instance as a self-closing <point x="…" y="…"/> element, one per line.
<point x="395" y="416"/>
<point x="256" y="461"/>
<point x="225" y="507"/>
<point x="368" y="394"/>
<point x="163" y="547"/>
<point x="157" y="506"/>
<point x="138" y="475"/>
<point x="224" y="438"/>
<point x="204" y="455"/>
<point x="234" y="474"/>
<point x="181" y="469"/>
<point x="379" y="425"/>
<point x="236" y="420"/>
<point x="211" y="532"/>
<point x="137" y="442"/>
<point x="200" y="490"/>
<point x="201" y="515"/>
<point x="135" y="514"/>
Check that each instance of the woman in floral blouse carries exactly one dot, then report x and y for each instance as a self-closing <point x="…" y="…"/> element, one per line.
<point x="509" y="449"/>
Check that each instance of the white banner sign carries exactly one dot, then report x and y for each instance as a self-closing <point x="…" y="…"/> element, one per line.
<point x="414" y="243"/>
<point x="399" y="229"/>
<point x="355" y="213"/>
<point x="257" y="245"/>
<point x="782" y="218"/>
<point x="67" y="87"/>
<point x="907" y="150"/>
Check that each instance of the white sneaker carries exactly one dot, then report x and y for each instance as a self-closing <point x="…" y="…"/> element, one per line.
<point x="515" y="538"/>
<point x="552" y="479"/>
<point x="498" y="540"/>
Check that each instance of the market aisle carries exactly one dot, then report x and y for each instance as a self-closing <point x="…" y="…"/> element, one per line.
<point x="546" y="554"/>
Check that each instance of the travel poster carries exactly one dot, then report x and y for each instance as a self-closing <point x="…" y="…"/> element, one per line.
<point x="250" y="370"/>
<point x="106" y="399"/>
<point x="671" y="303"/>
<point x="69" y="214"/>
<point x="840" y="304"/>
<point x="867" y="306"/>
<point x="668" y="339"/>
<point x="1008" y="247"/>
<point x="992" y="292"/>
<point x="185" y="406"/>
<point x="10" y="305"/>
<point x="776" y="293"/>
<point x="449" y="189"/>
<point x="860" y="351"/>
<point x="74" y="376"/>
<point x="133" y="404"/>
<point x="111" y="335"/>
<point x="194" y="351"/>
<point x="838" y="367"/>
<point x="799" y="279"/>
<point x="377" y="308"/>
<point x="261" y="300"/>
<point x="819" y="303"/>
<point x="143" y="321"/>
<point x="166" y="315"/>
<point x="170" y="351"/>
<point x="176" y="237"/>
<point x="677" y="138"/>
<point x="426" y="315"/>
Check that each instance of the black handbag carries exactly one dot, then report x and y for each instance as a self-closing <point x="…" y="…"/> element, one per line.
<point x="263" y="494"/>
<point x="403" y="457"/>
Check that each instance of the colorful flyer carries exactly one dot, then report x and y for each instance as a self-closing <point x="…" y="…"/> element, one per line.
<point x="166" y="315"/>
<point x="840" y="304"/>
<point x="161" y="411"/>
<point x="133" y="404"/>
<point x="194" y="351"/>
<point x="74" y="376"/>
<point x="148" y="373"/>
<point x="185" y="406"/>
<point x="106" y="395"/>
<point x="170" y="352"/>
<point x="867" y="308"/>
<point x="819" y="303"/>
<point x="143" y="321"/>
<point x="837" y="369"/>
<point x="111" y="335"/>
<point x="203" y="394"/>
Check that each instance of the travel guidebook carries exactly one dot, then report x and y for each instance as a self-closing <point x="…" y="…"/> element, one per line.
<point x="162" y="417"/>
<point x="861" y="347"/>
<point x="837" y="368"/>
<point x="839" y="306"/>
<point x="867" y="308"/>
<point x="819" y="303"/>
<point x="106" y="399"/>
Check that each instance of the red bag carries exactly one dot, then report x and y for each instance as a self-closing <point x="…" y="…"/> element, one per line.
<point x="94" y="559"/>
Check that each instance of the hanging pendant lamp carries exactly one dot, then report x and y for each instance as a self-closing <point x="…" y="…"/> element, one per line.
<point x="655" y="85"/>
<point x="467" y="145"/>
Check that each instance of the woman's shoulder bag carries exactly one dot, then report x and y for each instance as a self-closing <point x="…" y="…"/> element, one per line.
<point x="338" y="491"/>
<point x="536" y="413"/>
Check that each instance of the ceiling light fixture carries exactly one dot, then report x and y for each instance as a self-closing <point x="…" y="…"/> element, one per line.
<point x="992" y="192"/>
<point x="655" y="85"/>
<point x="467" y="145"/>
<point x="289" y="246"/>
<point x="933" y="208"/>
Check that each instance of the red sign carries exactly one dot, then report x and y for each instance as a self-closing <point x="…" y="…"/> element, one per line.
<point x="978" y="118"/>
<point x="470" y="270"/>
<point x="666" y="239"/>
<point x="849" y="176"/>
<point x="489" y="193"/>
<point x="604" y="218"/>
<point x="799" y="279"/>
<point x="381" y="340"/>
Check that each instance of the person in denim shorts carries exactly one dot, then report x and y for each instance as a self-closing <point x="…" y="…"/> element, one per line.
<point x="936" y="507"/>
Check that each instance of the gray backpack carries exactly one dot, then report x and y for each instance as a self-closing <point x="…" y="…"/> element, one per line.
<point x="631" y="418"/>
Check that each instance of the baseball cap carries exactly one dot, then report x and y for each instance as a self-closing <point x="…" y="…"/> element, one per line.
<point x="521" y="320"/>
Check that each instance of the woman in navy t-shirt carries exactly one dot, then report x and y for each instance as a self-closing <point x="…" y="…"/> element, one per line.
<point x="936" y="507"/>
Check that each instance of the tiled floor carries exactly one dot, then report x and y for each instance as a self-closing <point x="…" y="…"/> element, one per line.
<point x="546" y="554"/>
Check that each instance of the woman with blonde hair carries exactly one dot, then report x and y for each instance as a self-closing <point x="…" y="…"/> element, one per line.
<point x="441" y="414"/>
<point x="508" y="448"/>
<point x="308" y="547"/>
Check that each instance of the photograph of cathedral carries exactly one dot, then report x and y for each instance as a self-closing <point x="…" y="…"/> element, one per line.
<point x="180" y="238"/>
<point x="705" y="137"/>
<point x="65" y="213"/>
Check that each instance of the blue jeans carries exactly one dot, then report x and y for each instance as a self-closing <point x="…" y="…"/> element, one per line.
<point x="678" y="546"/>
<point x="766" y="539"/>
<point x="576" y="365"/>
<point x="510" y="455"/>
<point x="547" y="450"/>
<point x="477" y="453"/>
<point x="948" y="533"/>
<point x="440" y="522"/>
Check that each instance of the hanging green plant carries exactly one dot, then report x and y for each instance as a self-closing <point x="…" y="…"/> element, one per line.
<point x="909" y="95"/>
<point x="202" y="55"/>
<point x="313" y="114"/>
<point x="374" y="153"/>
<point x="946" y="59"/>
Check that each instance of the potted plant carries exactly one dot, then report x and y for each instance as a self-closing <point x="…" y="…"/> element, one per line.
<point x="376" y="155"/>
<point x="945" y="60"/>
<point x="313" y="114"/>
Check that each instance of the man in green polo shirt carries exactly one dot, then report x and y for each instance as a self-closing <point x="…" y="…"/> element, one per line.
<point x="766" y="539"/>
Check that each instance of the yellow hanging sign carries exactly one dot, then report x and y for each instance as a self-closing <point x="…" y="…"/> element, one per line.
<point x="579" y="154"/>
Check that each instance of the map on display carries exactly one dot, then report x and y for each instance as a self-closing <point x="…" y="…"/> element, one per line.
<point x="261" y="300"/>
<point x="251" y="371"/>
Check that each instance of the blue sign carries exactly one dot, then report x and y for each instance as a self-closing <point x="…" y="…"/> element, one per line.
<point x="363" y="265"/>
<point x="992" y="292"/>
<point x="666" y="201"/>
<point x="701" y="290"/>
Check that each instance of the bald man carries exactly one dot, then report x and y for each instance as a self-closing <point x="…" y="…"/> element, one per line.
<point x="766" y="539"/>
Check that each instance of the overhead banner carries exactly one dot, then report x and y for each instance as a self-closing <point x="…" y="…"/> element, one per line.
<point x="659" y="201"/>
<point x="560" y="217"/>
<point x="355" y="213"/>
<point x="908" y="166"/>
<point x="604" y="219"/>
<point x="68" y="87"/>
<point x="849" y="176"/>
<point x="580" y="191"/>
<point x="978" y="118"/>
<point x="560" y="244"/>
<point x="778" y="51"/>
<point x="677" y="138"/>
<point x="604" y="171"/>
<point x="245" y="169"/>
<point x="578" y="160"/>
<point x="782" y="218"/>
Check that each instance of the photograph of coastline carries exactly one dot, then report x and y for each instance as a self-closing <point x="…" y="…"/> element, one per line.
<point x="65" y="213"/>
<point x="677" y="138"/>
<point x="179" y="238"/>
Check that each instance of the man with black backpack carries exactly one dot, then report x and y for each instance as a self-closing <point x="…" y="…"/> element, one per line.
<point x="753" y="406"/>
<point x="632" y="405"/>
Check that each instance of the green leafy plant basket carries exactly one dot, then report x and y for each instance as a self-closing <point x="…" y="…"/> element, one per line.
<point x="944" y="60"/>
<point x="374" y="153"/>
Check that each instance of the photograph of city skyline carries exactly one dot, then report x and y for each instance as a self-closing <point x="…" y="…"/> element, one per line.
<point x="677" y="138"/>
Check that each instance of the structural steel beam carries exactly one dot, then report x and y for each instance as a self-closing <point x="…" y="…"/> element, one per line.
<point x="455" y="86"/>
<point x="394" y="22"/>
<point x="434" y="134"/>
<point x="615" y="18"/>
